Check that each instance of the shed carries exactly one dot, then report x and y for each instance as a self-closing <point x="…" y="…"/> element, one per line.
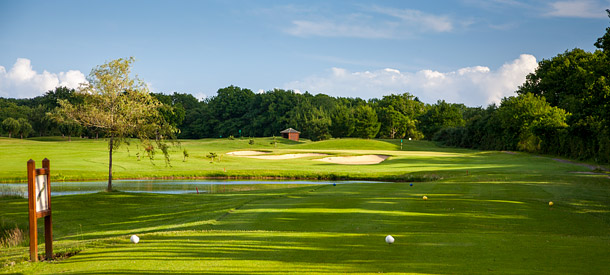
<point x="290" y="134"/>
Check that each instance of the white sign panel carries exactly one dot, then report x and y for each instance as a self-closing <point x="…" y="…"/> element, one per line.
<point x="42" y="201"/>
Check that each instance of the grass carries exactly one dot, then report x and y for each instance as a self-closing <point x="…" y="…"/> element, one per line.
<point x="83" y="159"/>
<point x="489" y="214"/>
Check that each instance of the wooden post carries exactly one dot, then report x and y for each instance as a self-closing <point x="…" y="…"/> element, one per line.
<point x="44" y="196"/>
<point x="48" y="224"/>
<point x="32" y="211"/>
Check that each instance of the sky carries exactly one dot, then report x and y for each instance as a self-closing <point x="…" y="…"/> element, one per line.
<point x="464" y="51"/>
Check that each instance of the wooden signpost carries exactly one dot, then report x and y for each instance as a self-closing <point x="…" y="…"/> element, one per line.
<point x="39" y="197"/>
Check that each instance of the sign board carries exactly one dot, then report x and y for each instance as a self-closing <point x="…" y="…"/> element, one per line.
<point x="42" y="200"/>
<point x="39" y="204"/>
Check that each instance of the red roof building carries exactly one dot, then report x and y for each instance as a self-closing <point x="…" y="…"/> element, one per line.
<point x="290" y="134"/>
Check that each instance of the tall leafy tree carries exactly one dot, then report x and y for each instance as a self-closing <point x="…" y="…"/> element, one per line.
<point x="578" y="82"/>
<point x="122" y="107"/>
<point x="313" y="122"/>
<point x="11" y="126"/>
<point x="394" y="124"/>
<point x="172" y="112"/>
<point x="526" y="119"/>
<point x="270" y="112"/>
<point x="366" y="122"/>
<point x="40" y="120"/>
<point x="70" y="128"/>
<point x="229" y="109"/>
<point x="398" y="115"/>
<point x="25" y="128"/>
<point x="342" y="121"/>
<point x="441" y="115"/>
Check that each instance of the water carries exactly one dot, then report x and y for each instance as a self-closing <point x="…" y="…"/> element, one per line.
<point x="153" y="186"/>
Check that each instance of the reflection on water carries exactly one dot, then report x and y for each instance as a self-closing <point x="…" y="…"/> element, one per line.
<point x="153" y="186"/>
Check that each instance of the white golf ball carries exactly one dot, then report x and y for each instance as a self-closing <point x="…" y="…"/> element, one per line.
<point x="134" y="239"/>
<point x="389" y="239"/>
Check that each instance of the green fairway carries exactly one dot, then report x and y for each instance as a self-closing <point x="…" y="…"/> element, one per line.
<point x="488" y="214"/>
<point x="83" y="159"/>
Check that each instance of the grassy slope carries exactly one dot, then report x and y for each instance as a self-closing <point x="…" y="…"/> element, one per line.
<point x="88" y="159"/>
<point x="495" y="219"/>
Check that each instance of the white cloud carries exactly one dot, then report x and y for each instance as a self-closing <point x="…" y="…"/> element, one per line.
<point x="578" y="8"/>
<point x="22" y="81"/>
<point x="200" y="96"/>
<point x="335" y="29"/>
<point x="473" y="86"/>
<point x="373" y="22"/>
<point x="421" y="20"/>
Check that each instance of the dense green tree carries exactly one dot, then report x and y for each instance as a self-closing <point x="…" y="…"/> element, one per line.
<point x="398" y="116"/>
<point x="393" y="123"/>
<point x="365" y="121"/>
<point x="342" y="122"/>
<point x="441" y="115"/>
<point x="171" y="111"/>
<point x="70" y="129"/>
<point x="192" y="108"/>
<point x="579" y="82"/>
<point x="25" y="128"/>
<point x="228" y="109"/>
<point x="313" y="122"/>
<point x="51" y="98"/>
<point x="11" y="126"/>
<point x="571" y="81"/>
<point x="525" y="117"/>
<point x="42" y="123"/>
<point x="270" y="112"/>
<point x="9" y="108"/>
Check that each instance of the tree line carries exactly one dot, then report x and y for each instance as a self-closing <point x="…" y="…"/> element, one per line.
<point x="563" y="108"/>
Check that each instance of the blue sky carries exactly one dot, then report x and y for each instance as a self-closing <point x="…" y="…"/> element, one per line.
<point x="469" y="51"/>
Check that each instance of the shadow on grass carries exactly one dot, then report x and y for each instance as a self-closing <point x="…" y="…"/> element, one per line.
<point x="254" y="252"/>
<point x="331" y="228"/>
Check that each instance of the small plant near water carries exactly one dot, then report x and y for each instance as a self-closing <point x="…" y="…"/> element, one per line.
<point x="212" y="155"/>
<point x="251" y="142"/>
<point x="185" y="155"/>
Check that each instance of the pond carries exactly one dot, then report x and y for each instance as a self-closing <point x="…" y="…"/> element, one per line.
<point x="161" y="186"/>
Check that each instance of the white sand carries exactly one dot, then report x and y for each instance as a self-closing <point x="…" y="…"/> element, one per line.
<point x="366" y="159"/>
<point x="246" y="153"/>
<point x="286" y="156"/>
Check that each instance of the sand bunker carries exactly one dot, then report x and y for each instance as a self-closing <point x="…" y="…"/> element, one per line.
<point x="246" y="153"/>
<point x="286" y="156"/>
<point x="257" y="155"/>
<point x="366" y="159"/>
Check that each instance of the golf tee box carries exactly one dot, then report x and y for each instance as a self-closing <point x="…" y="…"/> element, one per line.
<point x="39" y="204"/>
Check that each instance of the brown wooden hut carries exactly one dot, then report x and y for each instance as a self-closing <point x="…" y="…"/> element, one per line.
<point x="290" y="134"/>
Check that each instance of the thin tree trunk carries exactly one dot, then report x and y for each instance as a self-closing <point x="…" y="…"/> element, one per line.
<point x="109" y="189"/>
